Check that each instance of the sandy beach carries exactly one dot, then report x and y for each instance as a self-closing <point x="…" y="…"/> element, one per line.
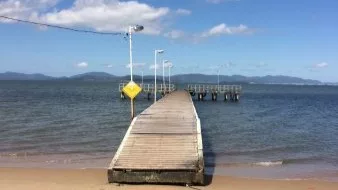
<point x="85" y="179"/>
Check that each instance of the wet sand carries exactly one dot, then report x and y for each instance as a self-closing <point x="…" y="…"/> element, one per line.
<point x="87" y="179"/>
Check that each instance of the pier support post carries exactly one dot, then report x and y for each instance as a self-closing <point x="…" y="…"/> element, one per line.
<point x="200" y="96"/>
<point x="123" y="96"/>
<point x="132" y="107"/>
<point x="236" y="97"/>
<point x="214" y="96"/>
<point x="226" y="97"/>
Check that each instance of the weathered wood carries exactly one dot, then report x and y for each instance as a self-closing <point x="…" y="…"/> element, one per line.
<point x="162" y="145"/>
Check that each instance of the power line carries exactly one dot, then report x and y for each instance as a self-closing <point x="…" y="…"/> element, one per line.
<point x="62" y="27"/>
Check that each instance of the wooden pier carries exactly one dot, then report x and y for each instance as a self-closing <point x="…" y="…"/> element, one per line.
<point x="163" y="144"/>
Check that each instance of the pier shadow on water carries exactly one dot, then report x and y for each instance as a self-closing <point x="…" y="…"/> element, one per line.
<point x="209" y="154"/>
<point x="209" y="158"/>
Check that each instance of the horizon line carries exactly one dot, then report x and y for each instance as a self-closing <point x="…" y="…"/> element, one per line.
<point x="126" y="75"/>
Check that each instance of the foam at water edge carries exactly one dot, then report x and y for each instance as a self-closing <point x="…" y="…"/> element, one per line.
<point x="269" y="163"/>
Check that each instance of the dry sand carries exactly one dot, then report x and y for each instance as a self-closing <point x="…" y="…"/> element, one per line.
<point x="85" y="179"/>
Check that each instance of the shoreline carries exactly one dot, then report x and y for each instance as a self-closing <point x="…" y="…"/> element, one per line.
<point x="263" y="171"/>
<point x="41" y="178"/>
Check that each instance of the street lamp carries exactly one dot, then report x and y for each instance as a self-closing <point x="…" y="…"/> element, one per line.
<point x="170" y="65"/>
<point x="163" y="76"/>
<point x="136" y="28"/>
<point x="142" y="78"/>
<point x="158" y="51"/>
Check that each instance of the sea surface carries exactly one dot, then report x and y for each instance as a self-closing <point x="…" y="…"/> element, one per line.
<point x="274" y="131"/>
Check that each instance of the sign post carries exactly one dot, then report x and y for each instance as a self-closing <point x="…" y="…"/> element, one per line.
<point x="132" y="90"/>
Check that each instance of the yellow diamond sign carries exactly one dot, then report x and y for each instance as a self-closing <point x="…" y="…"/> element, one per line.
<point x="132" y="89"/>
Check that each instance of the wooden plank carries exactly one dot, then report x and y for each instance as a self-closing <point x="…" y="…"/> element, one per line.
<point x="165" y="138"/>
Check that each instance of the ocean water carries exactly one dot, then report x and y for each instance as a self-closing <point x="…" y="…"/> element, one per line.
<point x="274" y="131"/>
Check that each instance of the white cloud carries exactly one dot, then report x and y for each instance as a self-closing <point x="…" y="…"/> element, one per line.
<point x="110" y="16"/>
<point x="100" y="15"/>
<point x="136" y="65"/>
<point x="43" y="28"/>
<point x="182" y="36"/>
<point x="152" y="67"/>
<point x="220" y="1"/>
<point x="108" y="65"/>
<point x="183" y="12"/>
<point x="261" y="64"/>
<point x="82" y="65"/>
<point x="174" y="34"/>
<point x="229" y="64"/>
<point x="221" y="66"/>
<point x="321" y="65"/>
<point x="223" y="29"/>
<point x="214" y="67"/>
<point x="24" y="8"/>
<point x="214" y="1"/>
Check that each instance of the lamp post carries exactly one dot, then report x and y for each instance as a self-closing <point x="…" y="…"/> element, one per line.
<point x="142" y="78"/>
<point x="158" y="51"/>
<point x="219" y="69"/>
<point x="169" y="66"/>
<point x="163" y="76"/>
<point x="135" y="28"/>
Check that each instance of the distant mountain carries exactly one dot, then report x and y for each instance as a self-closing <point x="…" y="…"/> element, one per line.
<point x="94" y="76"/>
<point x="282" y="80"/>
<point x="200" y="78"/>
<point x="332" y="83"/>
<point x="182" y="78"/>
<point x="21" y="76"/>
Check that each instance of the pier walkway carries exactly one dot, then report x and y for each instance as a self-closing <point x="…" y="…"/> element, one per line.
<point x="162" y="145"/>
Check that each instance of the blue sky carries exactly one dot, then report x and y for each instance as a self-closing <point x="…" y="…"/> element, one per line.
<point x="258" y="37"/>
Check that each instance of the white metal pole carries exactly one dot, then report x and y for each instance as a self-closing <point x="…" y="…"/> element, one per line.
<point x="218" y="81"/>
<point x="142" y="78"/>
<point x="130" y="54"/>
<point x="155" y="76"/>
<point x="132" y="107"/>
<point x="169" y="77"/>
<point x="163" y="77"/>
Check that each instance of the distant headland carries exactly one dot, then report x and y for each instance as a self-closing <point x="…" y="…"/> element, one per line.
<point x="180" y="78"/>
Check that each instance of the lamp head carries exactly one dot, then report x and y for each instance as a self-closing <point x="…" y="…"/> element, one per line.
<point x="138" y="28"/>
<point x="159" y="51"/>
